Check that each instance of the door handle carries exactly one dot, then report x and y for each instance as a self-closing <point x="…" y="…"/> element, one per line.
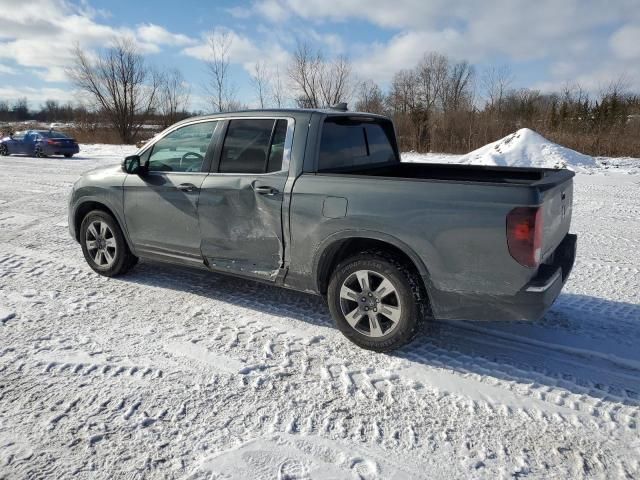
<point x="265" y="190"/>
<point x="187" y="187"/>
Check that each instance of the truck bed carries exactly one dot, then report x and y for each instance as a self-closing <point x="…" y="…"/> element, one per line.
<point x="464" y="173"/>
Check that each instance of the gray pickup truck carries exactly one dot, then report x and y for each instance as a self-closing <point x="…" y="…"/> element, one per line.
<point x="319" y="201"/>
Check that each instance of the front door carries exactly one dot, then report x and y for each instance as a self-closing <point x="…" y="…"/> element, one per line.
<point x="160" y="206"/>
<point x="240" y="207"/>
<point x="16" y="143"/>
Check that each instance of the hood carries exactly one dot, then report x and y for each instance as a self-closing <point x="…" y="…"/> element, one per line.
<point x="107" y="176"/>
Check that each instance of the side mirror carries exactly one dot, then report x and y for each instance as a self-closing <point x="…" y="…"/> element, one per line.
<point x="132" y="165"/>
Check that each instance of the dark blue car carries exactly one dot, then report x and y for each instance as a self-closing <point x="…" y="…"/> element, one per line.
<point x="39" y="143"/>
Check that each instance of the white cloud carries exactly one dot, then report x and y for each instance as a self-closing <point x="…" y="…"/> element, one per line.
<point x="36" y="96"/>
<point x="568" y="37"/>
<point x="240" y="12"/>
<point x="242" y="50"/>
<point x="274" y="10"/>
<point x="625" y="42"/>
<point x="40" y="34"/>
<point x="381" y="60"/>
<point x="6" y="70"/>
<point x="158" y="35"/>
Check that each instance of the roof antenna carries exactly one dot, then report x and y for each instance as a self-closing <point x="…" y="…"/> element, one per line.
<point x="341" y="107"/>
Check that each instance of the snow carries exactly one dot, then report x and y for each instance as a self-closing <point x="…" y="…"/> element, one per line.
<point x="524" y="148"/>
<point x="168" y="372"/>
<point x="6" y="315"/>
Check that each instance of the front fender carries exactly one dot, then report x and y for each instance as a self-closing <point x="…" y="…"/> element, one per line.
<point x="100" y="188"/>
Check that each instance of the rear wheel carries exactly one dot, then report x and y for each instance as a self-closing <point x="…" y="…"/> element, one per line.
<point x="377" y="301"/>
<point x="68" y="155"/>
<point x="103" y="245"/>
<point x="4" y="151"/>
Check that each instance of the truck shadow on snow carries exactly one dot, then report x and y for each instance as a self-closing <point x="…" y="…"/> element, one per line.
<point x="583" y="345"/>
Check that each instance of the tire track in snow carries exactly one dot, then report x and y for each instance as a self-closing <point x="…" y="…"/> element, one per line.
<point x="254" y="333"/>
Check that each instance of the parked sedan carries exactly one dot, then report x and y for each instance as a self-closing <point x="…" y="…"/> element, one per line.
<point x="39" y="143"/>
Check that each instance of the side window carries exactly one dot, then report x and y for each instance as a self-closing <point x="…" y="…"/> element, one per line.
<point x="182" y="150"/>
<point x="276" y="154"/>
<point x="346" y="143"/>
<point x="341" y="145"/>
<point x="380" y="149"/>
<point x="246" y="146"/>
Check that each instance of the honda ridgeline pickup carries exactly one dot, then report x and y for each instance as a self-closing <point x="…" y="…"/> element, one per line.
<point x="319" y="201"/>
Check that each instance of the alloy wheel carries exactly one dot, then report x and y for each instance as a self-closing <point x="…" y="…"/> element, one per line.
<point x="101" y="244"/>
<point x="370" y="303"/>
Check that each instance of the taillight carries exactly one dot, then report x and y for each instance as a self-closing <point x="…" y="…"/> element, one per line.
<point x="52" y="142"/>
<point x="524" y="235"/>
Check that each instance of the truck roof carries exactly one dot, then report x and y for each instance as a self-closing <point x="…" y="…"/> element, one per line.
<point x="284" y="111"/>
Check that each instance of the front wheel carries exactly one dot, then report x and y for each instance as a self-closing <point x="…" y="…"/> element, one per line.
<point x="104" y="246"/>
<point x="39" y="152"/>
<point x="377" y="301"/>
<point x="4" y="151"/>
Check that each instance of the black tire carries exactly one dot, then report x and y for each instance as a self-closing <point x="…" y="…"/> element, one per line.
<point x="68" y="155"/>
<point x="409" y="292"/>
<point x="123" y="259"/>
<point x="4" y="151"/>
<point x="39" y="153"/>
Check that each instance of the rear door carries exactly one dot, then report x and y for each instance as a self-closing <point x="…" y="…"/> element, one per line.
<point x="240" y="207"/>
<point x="161" y="206"/>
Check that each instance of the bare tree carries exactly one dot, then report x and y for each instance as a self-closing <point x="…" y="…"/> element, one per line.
<point x="173" y="98"/>
<point x="304" y="73"/>
<point x="277" y="89"/>
<point x="496" y="82"/>
<point x="403" y="97"/>
<point x="370" y="98"/>
<point x="431" y="77"/>
<point x="319" y="83"/>
<point x="260" y="81"/>
<point x="458" y="88"/>
<point x="335" y="81"/>
<point x="432" y="74"/>
<point x="119" y="83"/>
<point x="221" y="89"/>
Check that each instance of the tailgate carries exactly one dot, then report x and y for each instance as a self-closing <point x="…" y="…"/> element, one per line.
<point x="557" y="205"/>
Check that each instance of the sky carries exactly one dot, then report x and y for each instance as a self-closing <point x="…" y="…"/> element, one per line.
<point x="546" y="44"/>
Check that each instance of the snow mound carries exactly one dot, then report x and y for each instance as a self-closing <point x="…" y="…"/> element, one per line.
<point x="526" y="148"/>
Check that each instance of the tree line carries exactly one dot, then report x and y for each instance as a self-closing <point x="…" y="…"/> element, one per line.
<point x="439" y="105"/>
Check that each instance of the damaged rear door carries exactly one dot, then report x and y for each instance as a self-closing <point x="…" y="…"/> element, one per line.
<point x="240" y="205"/>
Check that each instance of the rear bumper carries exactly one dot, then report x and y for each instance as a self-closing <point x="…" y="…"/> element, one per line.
<point x="530" y="303"/>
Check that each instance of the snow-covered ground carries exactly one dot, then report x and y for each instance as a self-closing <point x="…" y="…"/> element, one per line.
<point x="168" y="372"/>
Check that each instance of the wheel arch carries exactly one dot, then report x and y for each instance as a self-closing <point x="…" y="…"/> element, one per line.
<point x="89" y="205"/>
<point x="339" y="247"/>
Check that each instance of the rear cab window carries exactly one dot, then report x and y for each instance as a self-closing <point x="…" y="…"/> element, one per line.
<point x="348" y="142"/>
